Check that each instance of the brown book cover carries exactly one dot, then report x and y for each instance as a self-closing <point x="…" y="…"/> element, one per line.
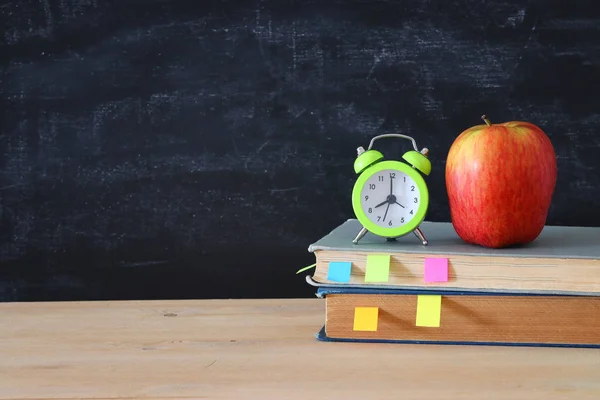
<point x="442" y="317"/>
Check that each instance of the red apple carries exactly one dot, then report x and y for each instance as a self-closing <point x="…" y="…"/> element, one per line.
<point x="500" y="179"/>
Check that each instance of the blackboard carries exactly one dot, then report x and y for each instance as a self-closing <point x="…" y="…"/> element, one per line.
<point x="194" y="149"/>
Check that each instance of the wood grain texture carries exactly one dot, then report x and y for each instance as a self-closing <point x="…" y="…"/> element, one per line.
<point x="255" y="349"/>
<point x="497" y="319"/>
<point x="552" y="275"/>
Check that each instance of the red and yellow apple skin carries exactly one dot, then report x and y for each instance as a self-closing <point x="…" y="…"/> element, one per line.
<point x="500" y="179"/>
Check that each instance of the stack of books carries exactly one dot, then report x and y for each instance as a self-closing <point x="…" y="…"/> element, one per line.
<point x="545" y="293"/>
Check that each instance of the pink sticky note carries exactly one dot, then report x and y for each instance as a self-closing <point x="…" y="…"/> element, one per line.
<point x="436" y="270"/>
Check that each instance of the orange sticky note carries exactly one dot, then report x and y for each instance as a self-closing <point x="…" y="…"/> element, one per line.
<point x="365" y="318"/>
<point x="378" y="268"/>
<point x="429" y="309"/>
<point x="436" y="270"/>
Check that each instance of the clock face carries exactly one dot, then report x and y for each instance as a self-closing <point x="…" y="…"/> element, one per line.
<point x="390" y="198"/>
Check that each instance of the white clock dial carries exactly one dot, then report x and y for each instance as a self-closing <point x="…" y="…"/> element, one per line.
<point x="390" y="198"/>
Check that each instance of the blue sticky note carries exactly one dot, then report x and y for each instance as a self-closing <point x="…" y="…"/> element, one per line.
<point x="339" y="271"/>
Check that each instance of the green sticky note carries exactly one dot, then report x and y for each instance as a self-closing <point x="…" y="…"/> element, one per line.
<point x="378" y="268"/>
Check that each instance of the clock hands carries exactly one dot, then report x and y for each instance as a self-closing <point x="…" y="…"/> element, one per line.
<point x="386" y="210"/>
<point x="382" y="203"/>
<point x="391" y="199"/>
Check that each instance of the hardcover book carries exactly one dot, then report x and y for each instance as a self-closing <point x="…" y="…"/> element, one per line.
<point x="452" y="317"/>
<point x="562" y="260"/>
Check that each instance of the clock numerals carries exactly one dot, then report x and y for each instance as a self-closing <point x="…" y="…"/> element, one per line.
<point x="387" y="197"/>
<point x="380" y="178"/>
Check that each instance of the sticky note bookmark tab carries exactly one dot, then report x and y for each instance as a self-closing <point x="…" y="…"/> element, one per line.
<point x="365" y="318"/>
<point x="378" y="268"/>
<point x="429" y="309"/>
<point x="436" y="270"/>
<point x="339" y="271"/>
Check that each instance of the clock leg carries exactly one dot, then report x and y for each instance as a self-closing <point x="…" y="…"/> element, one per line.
<point x="362" y="233"/>
<point x="418" y="233"/>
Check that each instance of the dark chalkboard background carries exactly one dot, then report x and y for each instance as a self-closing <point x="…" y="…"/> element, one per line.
<point x="194" y="149"/>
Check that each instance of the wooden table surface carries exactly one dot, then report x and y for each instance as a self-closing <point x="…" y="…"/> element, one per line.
<point x="256" y="349"/>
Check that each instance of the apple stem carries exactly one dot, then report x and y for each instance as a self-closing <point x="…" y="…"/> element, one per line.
<point x="487" y="121"/>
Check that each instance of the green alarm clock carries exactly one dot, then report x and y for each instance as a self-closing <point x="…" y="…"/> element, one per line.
<point x="390" y="198"/>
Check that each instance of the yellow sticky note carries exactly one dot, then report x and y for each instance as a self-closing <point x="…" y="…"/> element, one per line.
<point x="429" y="309"/>
<point x="365" y="318"/>
<point x="378" y="268"/>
